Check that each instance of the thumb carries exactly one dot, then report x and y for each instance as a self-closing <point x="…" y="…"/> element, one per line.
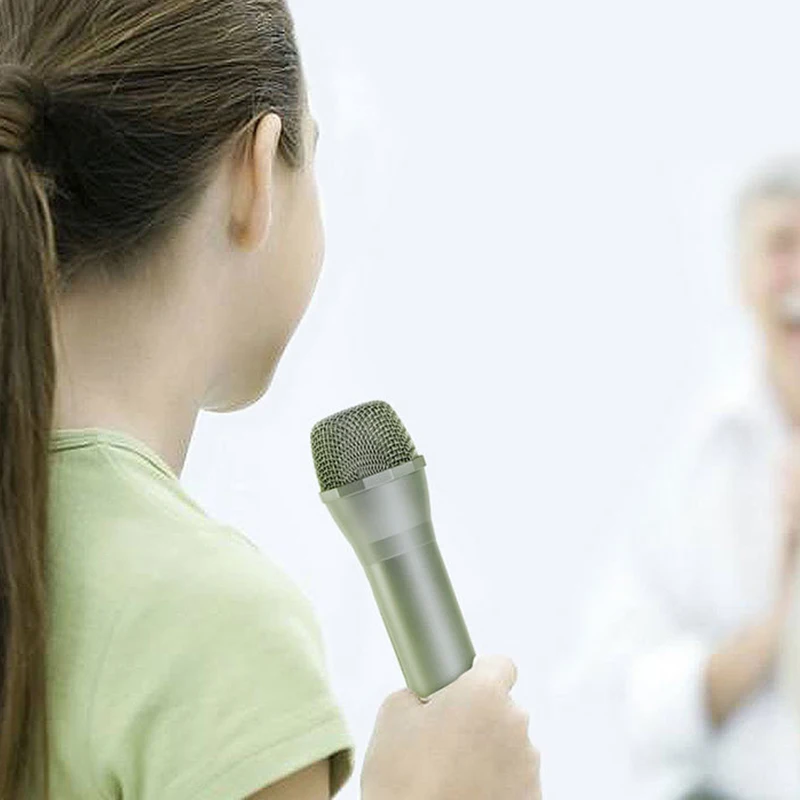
<point x="496" y="669"/>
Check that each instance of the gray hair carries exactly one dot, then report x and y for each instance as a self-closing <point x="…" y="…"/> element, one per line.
<point x="779" y="177"/>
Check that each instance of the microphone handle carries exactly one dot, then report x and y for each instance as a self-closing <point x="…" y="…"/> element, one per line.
<point x="387" y="519"/>
<point x="419" y="609"/>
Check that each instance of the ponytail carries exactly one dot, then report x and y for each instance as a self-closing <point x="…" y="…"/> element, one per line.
<point x="27" y="377"/>
<point x="142" y="101"/>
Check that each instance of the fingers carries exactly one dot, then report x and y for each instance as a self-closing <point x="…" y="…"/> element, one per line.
<point x="522" y="718"/>
<point x="496" y="669"/>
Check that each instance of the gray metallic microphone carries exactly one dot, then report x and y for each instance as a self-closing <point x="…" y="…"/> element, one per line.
<point x="373" y="483"/>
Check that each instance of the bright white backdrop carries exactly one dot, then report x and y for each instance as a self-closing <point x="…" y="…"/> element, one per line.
<point x="529" y="257"/>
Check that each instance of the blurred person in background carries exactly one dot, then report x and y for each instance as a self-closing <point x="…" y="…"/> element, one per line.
<point x="687" y="627"/>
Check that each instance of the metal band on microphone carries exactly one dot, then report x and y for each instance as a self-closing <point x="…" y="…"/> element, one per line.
<point x="399" y="543"/>
<point x="372" y="481"/>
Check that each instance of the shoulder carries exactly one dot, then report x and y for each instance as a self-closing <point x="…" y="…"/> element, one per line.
<point x="216" y="656"/>
<point x="219" y="588"/>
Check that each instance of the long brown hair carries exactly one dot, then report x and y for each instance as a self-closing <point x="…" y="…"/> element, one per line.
<point x="113" y="116"/>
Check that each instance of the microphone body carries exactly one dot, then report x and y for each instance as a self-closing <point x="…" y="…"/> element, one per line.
<point x="386" y="517"/>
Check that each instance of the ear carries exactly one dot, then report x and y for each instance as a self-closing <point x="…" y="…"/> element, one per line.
<point x="254" y="184"/>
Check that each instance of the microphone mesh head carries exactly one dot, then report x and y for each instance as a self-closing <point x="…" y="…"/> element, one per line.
<point x="358" y="442"/>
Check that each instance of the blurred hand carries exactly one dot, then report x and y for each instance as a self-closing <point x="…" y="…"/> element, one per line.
<point x="741" y="666"/>
<point x="468" y="741"/>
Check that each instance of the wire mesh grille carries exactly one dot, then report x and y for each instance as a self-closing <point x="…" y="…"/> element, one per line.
<point x="358" y="442"/>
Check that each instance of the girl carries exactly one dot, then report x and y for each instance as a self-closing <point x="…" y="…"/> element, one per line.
<point x="160" y="239"/>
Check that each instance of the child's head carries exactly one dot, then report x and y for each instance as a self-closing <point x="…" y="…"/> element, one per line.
<point x="161" y="131"/>
<point x="156" y="180"/>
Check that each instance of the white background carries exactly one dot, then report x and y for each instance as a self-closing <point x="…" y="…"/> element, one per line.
<point x="530" y="257"/>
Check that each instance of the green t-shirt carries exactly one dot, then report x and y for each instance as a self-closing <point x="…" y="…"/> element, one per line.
<point x="183" y="663"/>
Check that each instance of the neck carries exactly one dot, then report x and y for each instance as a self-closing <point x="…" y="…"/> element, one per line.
<point x="126" y="364"/>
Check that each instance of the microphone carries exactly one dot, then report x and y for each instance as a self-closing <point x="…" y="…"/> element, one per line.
<point x="373" y="482"/>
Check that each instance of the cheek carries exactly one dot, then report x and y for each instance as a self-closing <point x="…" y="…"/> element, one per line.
<point x="309" y="234"/>
<point x="316" y="233"/>
<point x="780" y="273"/>
<point x="303" y="248"/>
<point x="767" y="279"/>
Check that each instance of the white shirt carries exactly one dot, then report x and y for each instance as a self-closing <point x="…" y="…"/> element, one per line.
<point x="705" y="568"/>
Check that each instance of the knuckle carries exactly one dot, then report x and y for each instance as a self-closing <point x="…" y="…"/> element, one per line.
<point x="521" y="715"/>
<point x="516" y="721"/>
<point x="511" y="670"/>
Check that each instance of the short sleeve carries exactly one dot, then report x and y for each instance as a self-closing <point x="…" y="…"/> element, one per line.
<point x="214" y="685"/>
